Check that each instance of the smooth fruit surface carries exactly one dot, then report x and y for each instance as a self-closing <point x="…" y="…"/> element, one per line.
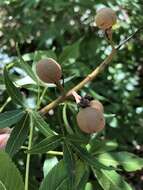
<point x="97" y="104"/>
<point x="105" y="18"/>
<point x="48" y="70"/>
<point x="90" y="120"/>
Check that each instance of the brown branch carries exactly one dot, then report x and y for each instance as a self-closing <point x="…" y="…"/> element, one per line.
<point x="89" y="78"/>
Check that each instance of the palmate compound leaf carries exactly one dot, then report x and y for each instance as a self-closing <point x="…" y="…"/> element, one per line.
<point x="18" y="135"/>
<point x="49" y="143"/>
<point x="57" y="178"/>
<point x="13" y="91"/>
<point x="129" y="162"/>
<point x="111" y="180"/>
<point x="41" y="124"/>
<point x="10" y="178"/>
<point x="9" y="118"/>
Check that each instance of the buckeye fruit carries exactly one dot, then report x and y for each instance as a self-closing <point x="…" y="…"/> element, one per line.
<point x="105" y="18"/>
<point x="48" y="70"/>
<point x="97" y="104"/>
<point x="90" y="120"/>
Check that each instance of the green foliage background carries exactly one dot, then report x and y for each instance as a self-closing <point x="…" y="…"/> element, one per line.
<point x="65" y="31"/>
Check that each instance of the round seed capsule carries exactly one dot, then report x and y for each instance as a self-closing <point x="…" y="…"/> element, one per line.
<point x="48" y="70"/>
<point x="105" y="18"/>
<point x="97" y="104"/>
<point x="90" y="120"/>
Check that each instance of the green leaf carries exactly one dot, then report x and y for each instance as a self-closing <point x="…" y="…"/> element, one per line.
<point x="41" y="124"/>
<point x="57" y="178"/>
<point x="111" y="180"/>
<point x="25" y="66"/>
<point x="50" y="143"/>
<point x="128" y="161"/>
<point x="89" y="186"/>
<point x="70" y="165"/>
<point x="81" y="175"/>
<point x="49" y="163"/>
<point x="78" y="139"/>
<point x="93" y="185"/>
<point x="18" y="136"/>
<point x="84" y="154"/>
<point x="70" y="51"/>
<point x="9" y="118"/>
<point x="10" y="178"/>
<point x="98" y="146"/>
<point x="12" y="90"/>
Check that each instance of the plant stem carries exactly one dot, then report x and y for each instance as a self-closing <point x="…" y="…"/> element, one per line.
<point x="24" y="147"/>
<point x="67" y="126"/>
<point x="38" y="96"/>
<point x="55" y="153"/>
<point x="28" y="155"/>
<point x="90" y="77"/>
<point x="42" y="96"/>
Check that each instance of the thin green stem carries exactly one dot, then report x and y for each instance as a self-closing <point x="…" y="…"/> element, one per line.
<point x="55" y="153"/>
<point x="28" y="155"/>
<point x="24" y="147"/>
<point x="41" y="97"/>
<point x="38" y="95"/>
<point x="65" y="119"/>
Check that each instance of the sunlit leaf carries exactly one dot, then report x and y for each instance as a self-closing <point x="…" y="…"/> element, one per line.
<point x="49" y="163"/>
<point x="130" y="162"/>
<point x="111" y="180"/>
